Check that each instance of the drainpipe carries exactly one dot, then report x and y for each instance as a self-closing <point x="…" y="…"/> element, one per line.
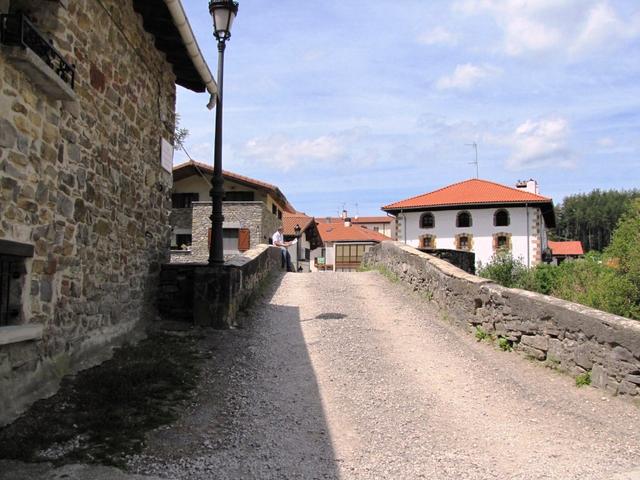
<point x="404" y="225"/>
<point x="182" y="24"/>
<point x="528" y="241"/>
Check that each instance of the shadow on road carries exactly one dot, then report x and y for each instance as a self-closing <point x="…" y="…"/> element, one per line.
<point x="259" y="413"/>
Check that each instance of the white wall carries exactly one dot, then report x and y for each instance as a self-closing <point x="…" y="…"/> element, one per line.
<point x="482" y="230"/>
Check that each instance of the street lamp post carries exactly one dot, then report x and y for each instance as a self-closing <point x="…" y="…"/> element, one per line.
<point x="223" y="13"/>
<point x="297" y="230"/>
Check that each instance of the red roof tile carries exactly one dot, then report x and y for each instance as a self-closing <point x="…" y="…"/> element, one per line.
<point x="337" y="232"/>
<point x="469" y="192"/>
<point x="566" y="248"/>
<point x="358" y="220"/>
<point x="290" y="220"/>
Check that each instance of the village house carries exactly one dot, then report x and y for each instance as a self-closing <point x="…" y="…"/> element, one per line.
<point x="561" y="251"/>
<point x="303" y="229"/>
<point x="384" y="224"/>
<point x="253" y="210"/>
<point x="344" y="246"/>
<point x="87" y="121"/>
<point x="479" y="216"/>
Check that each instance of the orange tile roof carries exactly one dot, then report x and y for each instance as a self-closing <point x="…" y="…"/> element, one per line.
<point x="290" y="220"/>
<point x="379" y="219"/>
<point x="566" y="248"/>
<point x="337" y="232"/>
<point x="185" y="170"/>
<point x="469" y="192"/>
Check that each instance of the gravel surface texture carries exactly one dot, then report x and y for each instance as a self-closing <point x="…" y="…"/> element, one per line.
<point x="346" y="375"/>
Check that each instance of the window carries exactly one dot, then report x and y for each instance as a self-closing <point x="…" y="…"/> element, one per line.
<point x="427" y="220"/>
<point x="183" y="239"/>
<point x="501" y="218"/>
<point x="184" y="200"/>
<point x="427" y="241"/>
<point x="501" y="241"/>
<point x="376" y="229"/>
<point x="307" y="253"/>
<point x="463" y="220"/>
<point x="12" y="272"/>
<point x="230" y="239"/>
<point x="274" y="209"/>
<point x="349" y="253"/>
<point x="239" y="196"/>
<point x="464" y="241"/>
<point x="280" y="214"/>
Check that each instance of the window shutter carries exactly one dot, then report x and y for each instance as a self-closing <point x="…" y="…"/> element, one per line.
<point x="209" y="239"/>
<point x="244" y="239"/>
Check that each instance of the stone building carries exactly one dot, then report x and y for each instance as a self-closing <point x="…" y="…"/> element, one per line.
<point x="86" y="125"/>
<point x="253" y="210"/>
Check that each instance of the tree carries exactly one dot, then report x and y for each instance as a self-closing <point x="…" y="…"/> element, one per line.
<point x="624" y="252"/>
<point x="592" y="217"/>
<point x="179" y="134"/>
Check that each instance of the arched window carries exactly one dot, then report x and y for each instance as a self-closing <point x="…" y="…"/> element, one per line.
<point x="463" y="220"/>
<point x="427" y="220"/>
<point x="501" y="218"/>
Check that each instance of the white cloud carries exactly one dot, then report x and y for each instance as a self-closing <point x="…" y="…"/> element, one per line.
<point x="285" y="153"/>
<point x="541" y="143"/>
<point x="466" y="76"/>
<point x="606" y="142"/>
<point x="438" y="36"/>
<point x="603" y="28"/>
<point x="573" y="27"/>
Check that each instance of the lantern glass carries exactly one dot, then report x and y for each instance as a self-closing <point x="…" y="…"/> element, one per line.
<point x="223" y="13"/>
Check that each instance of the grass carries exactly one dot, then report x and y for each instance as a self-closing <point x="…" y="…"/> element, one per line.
<point x="102" y="414"/>
<point x="583" y="379"/>
<point x="481" y="334"/>
<point x="505" y="344"/>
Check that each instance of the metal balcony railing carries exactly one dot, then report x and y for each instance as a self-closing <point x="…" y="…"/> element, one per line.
<point x="17" y="30"/>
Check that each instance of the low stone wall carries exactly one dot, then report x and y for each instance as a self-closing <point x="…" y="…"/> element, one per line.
<point x="212" y="295"/>
<point x="566" y="335"/>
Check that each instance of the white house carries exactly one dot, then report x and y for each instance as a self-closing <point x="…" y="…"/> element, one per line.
<point x="344" y="246"/>
<point x="479" y="216"/>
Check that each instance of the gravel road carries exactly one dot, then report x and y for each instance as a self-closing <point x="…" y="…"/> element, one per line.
<point x="346" y="375"/>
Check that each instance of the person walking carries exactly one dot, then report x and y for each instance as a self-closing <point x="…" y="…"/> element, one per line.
<point x="278" y="241"/>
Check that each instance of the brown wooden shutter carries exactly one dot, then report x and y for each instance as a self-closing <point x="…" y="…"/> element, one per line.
<point x="244" y="239"/>
<point x="209" y="239"/>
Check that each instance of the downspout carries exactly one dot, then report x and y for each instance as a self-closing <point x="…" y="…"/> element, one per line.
<point x="404" y="225"/>
<point x="526" y="205"/>
<point x="182" y="24"/>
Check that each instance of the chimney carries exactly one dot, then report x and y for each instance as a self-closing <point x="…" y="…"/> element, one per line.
<point x="530" y="186"/>
<point x="347" y="221"/>
<point x="344" y="215"/>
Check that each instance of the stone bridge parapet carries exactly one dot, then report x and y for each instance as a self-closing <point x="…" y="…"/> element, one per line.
<point x="209" y="295"/>
<point x="565" y="335"/>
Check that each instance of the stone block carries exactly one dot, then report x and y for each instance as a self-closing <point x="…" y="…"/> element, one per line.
<point x="532" y="352"/>
<point x="536" y="341"/>
<point x="598" y="376"/>
<point x="582" y="355"/>
<point x="8" y="134"/>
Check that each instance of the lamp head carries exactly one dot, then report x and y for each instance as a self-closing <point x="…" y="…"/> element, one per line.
<point x="223" y="13"/>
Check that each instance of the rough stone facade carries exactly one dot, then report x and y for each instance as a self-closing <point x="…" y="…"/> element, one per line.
<point x="565" y="335"/>
<point x="181" y="218"/>
<point x="82" y="181"/>
<point x="253" y="216"/>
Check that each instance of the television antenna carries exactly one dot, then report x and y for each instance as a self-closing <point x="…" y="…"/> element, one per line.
<point x="475" y="146"/>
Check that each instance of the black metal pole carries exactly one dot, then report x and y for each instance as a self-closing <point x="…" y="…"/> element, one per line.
<point x="216" y="255"/>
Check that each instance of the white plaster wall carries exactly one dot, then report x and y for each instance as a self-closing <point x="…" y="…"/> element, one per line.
<point x="482" y="230"/>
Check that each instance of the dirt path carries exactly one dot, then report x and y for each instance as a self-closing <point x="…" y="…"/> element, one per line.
<point x="349" y="376"/>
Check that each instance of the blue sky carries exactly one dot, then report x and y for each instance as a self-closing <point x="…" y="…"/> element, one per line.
<point x="358" y="104"/>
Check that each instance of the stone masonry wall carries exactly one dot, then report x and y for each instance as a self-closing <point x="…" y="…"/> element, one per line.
<point x="82" y="182"/>
<point x="212" y="296"/>
<point x="251" y="215"/>
<point x="566" y="335"/>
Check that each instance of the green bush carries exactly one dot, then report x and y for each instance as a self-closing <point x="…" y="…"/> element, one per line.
<point x="505" y="270"/>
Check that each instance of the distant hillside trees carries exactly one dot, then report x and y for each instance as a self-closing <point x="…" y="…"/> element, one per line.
<point x="592" y="217"/>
